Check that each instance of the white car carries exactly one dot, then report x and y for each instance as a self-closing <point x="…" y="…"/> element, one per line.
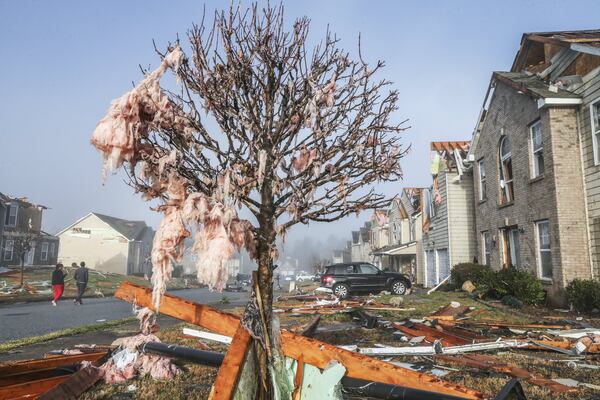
<point x="305" y="277"/>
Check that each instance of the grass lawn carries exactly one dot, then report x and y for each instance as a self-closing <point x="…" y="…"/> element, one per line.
<point x="196" y="380"/>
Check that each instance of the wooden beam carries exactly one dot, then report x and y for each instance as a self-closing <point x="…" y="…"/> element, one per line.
<point x="225" y="385"/>
<point x="30" y="390"/>
<point x="311" y="351"/>
<point x="19" y="367"/>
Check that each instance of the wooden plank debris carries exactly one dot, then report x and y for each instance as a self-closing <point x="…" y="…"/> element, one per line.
<point x="225" y="385"/>
<point x="312" y="351"/>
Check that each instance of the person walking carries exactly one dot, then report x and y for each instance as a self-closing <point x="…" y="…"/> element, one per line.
<point x="81" y="279"/>
<point x="58" y="282"/>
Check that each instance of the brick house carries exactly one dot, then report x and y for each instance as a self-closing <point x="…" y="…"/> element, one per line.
<point x="21" y="219"/>
<point x="536" y="162"/>
<point x="448" y="216"/>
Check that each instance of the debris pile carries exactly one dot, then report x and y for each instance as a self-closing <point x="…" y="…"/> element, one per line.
<point x="412" y="356"/>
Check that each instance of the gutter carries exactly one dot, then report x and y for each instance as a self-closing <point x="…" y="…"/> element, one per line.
<point x="558" y="101"/>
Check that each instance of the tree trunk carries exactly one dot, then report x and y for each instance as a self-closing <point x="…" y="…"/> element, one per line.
<point x="22" y="268"/>
<point x="266" y="236"/>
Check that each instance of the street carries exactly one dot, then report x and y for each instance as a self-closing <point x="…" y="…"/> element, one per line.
<point x="38" y="318"/>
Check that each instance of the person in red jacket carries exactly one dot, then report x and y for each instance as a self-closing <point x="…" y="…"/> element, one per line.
<point x="58" y="282"/>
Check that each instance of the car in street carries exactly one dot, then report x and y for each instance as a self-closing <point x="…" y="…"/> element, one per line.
<point x="346" y="278"/>
<point x="305" y="277"/>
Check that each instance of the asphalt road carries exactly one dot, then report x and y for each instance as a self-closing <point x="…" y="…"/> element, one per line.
<point x="38" y="318"/>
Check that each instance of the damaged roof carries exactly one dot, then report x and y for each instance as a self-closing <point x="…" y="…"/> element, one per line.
<point x="532" y="49"/>
<point x="532" y="85"/>
<point x="461" y="145"/>
<point x="130" y="229"/>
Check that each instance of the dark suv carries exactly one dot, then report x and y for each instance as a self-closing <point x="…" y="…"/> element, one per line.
<point x="362" y="277"/>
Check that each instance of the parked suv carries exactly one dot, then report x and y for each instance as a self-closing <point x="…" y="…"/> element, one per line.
<point x="362" y="277"/>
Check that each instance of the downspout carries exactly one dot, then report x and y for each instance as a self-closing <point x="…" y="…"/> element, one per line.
<point x="585" y="199"/>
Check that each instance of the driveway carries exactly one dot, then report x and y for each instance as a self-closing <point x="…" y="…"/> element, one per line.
<point x="38" y="318"/>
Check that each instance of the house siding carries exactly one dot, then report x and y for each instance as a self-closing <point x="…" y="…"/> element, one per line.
<point x="461" y="217"/>
<point x="590" y="91"/>
<point x="103" y="250"/>
<point x="555" y="197"/>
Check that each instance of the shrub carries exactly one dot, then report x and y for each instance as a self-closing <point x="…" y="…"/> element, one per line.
<point x="177" y="271"/>
<point x="468" y="272"/>
<point x="521" y="284"/>
<point x="584" y="294"/>
<point x="511" y="281"/>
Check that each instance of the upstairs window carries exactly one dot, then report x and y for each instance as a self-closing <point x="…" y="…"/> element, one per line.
<point x="11" y="215"/>
<point x="482" y="184"/>
<point x="595" y="114"/>
<point x="506" y="173"/>
<point x="537" y="150"/>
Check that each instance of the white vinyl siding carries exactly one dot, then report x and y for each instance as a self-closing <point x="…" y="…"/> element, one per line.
<point x="537" y="150"/>
<point x="544" y="249"/>
<point x="9" y="250"/>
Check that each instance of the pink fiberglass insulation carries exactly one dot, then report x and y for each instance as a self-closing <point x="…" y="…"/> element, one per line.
<point x="213" y="248"/>
<point x="302" y="160"/>
<point x="157" y="367"/>
<point x="166" y="249"/>
<point x="130" y="117"/>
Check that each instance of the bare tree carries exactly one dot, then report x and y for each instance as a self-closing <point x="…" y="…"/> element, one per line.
<point x="23" y="242"/>
<point x="301" y="135"/>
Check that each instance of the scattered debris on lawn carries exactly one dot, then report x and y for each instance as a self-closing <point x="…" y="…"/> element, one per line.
<point x="372" y="347"/>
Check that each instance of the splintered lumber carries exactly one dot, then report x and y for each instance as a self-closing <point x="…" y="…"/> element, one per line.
<point x="29" y="390"/>
<point x="312" y="351"/>
<point x="495" y="364"/>
<point x="75" y="385"/>
<point x="484" y="322"/>
<point x="226" y="383"/>
<point x="449" y="313"/>
<point x="18" y="367"/>
<point x="311" y="328"/>
<point x="415" y="329"/>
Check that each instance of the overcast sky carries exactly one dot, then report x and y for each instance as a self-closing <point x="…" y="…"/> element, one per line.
<point x="62" y="62"/>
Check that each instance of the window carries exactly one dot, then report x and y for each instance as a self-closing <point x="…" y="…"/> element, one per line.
<point x="510" y="247"/>
<point x="368" y="269"/>
<point x="11" y="215"/>
<point x="44" y="253"/>
<point x="537" y="150"/>
<point x="52" y="249"/>
<point x="506" y="174"/>
<point x="486" y="246"/>
<point x="413" y="229"/>
<point x="8" y="250"/>
<point x="595" y="115"/>
<point x="544" y="251"/>
<point x="482" y="186"/>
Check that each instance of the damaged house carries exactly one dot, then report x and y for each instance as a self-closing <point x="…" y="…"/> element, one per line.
<point x="535" y="152"/>
<point x="403" y="250"/>
<point x="448" y="212"/>
<point x="21" y="220"/>
<point x="361" y="244"/>
<point x="108" y="244"/>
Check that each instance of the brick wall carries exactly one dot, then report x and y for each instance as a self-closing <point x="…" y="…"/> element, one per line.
<point x="556" y="196"/>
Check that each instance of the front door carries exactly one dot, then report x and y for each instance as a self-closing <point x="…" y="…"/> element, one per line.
<point x="30" y="256"/>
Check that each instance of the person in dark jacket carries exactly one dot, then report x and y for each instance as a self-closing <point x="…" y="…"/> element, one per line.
<point x="58" y="282"/>
<point x="81" y="279"/>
